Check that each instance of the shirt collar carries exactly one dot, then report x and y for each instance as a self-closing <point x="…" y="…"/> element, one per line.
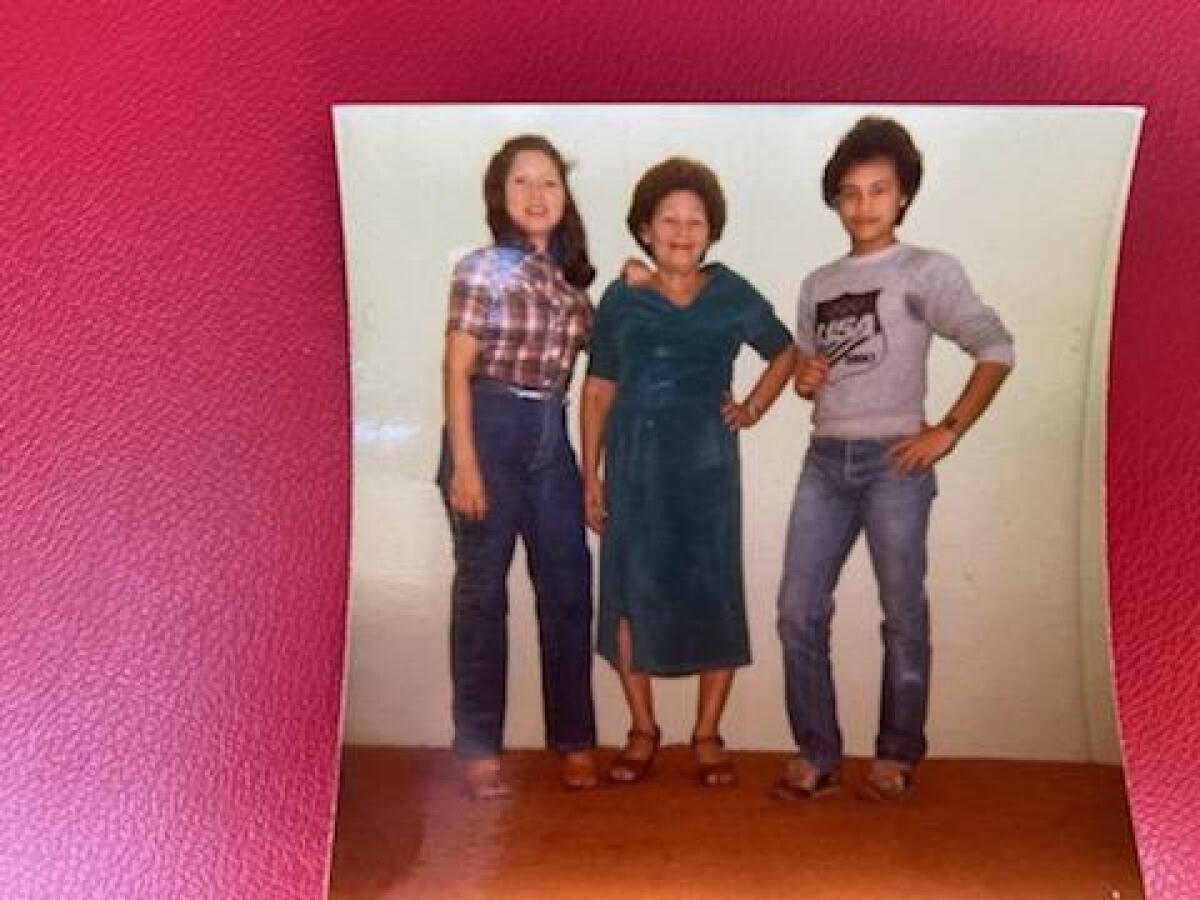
<point x="517" y="242"/>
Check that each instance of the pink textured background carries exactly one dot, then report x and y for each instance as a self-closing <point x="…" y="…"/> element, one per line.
<point x="174" y="451"/>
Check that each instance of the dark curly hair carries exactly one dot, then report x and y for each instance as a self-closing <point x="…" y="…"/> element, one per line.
<point x="569" y="235"/>
<point x="676" y="174"/>
<point x="874" y="137"/>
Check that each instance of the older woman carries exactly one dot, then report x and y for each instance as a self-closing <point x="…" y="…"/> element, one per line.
<point x="657" y="407"/>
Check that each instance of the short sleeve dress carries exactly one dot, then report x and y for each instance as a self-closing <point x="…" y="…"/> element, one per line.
<point x="671" y="554"/>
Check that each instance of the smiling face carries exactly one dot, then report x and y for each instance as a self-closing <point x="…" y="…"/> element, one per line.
<point x="534" y="196"/>
<point x="678" y="232"/>
<point x="869" y="203"/>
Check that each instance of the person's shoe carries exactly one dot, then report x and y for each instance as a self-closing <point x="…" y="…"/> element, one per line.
<point x="578" y="771"/>
<point x="802" y="780"/>
<point x="888" y="781"/>
<point x="629" y="767"/>
<point x="713" y="773"/>
<point x="483" y="779"/>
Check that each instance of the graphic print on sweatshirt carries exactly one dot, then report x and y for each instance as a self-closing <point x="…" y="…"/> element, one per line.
<point x="849" y="334"/>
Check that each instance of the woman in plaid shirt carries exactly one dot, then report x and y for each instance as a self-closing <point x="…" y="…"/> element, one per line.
<point x="518" y="316"/>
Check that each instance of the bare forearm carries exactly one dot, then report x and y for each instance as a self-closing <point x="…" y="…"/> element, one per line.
<point x="458" y="419"/>
<point x="981" y="388"/>
<point x="598" y="396"/>
<point x="747" y="413"/>
<point x="772" y="381"/>
<point x="457" y="366"/>
<point x="935" y="441"/>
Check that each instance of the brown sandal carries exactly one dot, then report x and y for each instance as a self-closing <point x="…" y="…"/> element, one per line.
<point x="803" y="780"/>
<point x="718" y="774"/>
<point x="627" y="769"/>
<point x="825" y="784"/>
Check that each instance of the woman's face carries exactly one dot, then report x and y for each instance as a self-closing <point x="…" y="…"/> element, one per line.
<point x="534" y="196"/>
<point x="678" y="232"/>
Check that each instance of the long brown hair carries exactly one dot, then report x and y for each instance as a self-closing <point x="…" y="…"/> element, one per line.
<point x="569" y="237"/>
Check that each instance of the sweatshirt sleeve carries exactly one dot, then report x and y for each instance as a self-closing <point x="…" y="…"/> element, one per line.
<point x="806" y="339"/>
<point x="942" y="295"/>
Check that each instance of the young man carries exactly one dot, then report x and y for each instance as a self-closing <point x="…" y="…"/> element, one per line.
<point x="865" y="322"/>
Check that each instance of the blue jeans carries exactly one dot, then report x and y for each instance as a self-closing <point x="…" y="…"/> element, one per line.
<point x="533" y="490"/>
<point x="847" y="487"/>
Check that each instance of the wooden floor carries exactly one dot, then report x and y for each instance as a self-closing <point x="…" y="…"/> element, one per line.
<point x="974" y="829"/>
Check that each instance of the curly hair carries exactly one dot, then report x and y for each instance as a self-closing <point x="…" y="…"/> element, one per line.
<point x="676" y="174"/>
<point x="871" y="138"/>
<point x="569" y="234"/>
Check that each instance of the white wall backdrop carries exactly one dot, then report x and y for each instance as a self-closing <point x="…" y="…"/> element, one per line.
<point x="1030" y="200"/>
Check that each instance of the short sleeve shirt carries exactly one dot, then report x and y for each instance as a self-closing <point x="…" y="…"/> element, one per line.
<point x="529" y="320"/>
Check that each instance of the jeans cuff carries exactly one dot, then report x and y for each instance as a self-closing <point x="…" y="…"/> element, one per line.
<point x="573" y="746"/>
<point x="891" y="754"/>
<point x="468" y="751"/>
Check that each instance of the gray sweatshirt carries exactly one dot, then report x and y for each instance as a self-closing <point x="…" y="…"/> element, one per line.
<point x="872" y="317"/>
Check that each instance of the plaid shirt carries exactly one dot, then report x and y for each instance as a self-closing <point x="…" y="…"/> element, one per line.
<point x="529" y="321"/>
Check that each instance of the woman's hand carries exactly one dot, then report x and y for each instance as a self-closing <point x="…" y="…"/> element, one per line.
<point x="922" y="450"/>
<point x="636" y="273"/>
<point x="593" y="504"/>
<point x="739" y="415"/>
<point x="468" y="497"/>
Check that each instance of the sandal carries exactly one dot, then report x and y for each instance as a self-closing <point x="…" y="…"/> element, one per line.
<point x="713" y="774"/>
<point x="627" y="769"/>
<point x="804" y="782"/>
<point x="483" y="780"/>
<point x="578" y="771"/>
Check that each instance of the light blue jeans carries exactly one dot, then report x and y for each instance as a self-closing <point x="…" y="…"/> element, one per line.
<point x="847" y="487"/>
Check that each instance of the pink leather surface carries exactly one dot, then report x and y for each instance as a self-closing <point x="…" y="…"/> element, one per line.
<point x="174" y="452"/>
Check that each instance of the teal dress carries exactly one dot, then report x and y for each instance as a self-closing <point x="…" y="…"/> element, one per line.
<point x="671" y="554"/>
